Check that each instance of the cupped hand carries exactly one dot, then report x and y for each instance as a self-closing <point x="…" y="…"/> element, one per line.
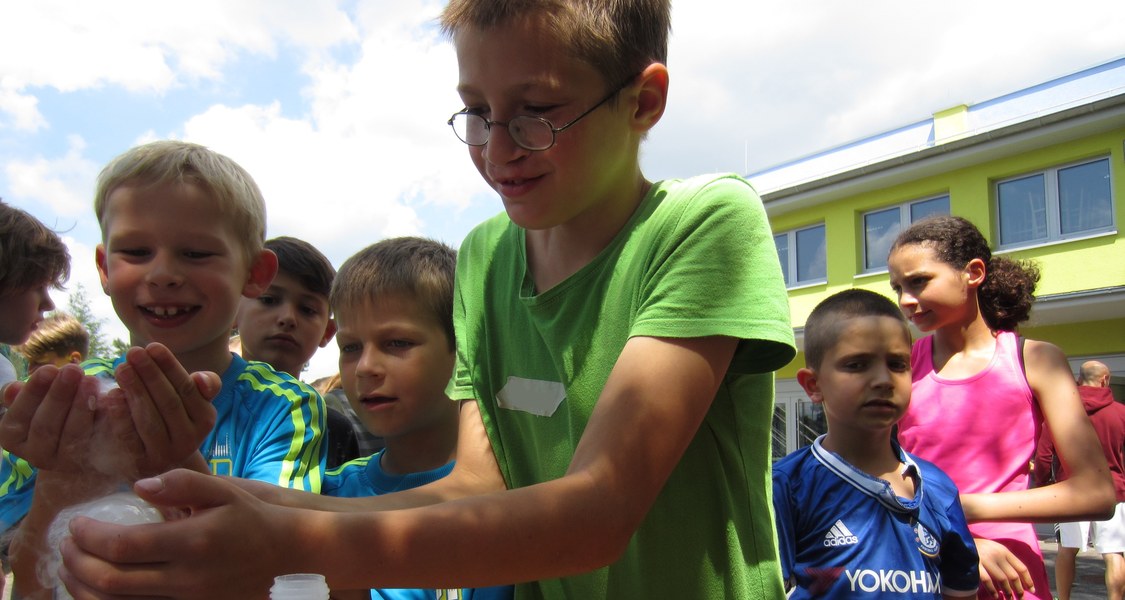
<point x="50" y="418"/>
<point x="170" y="409"/>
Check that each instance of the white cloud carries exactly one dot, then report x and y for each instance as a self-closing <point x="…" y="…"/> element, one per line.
<point x="780" y="79"/>
<point x="21" y="109"/>
<point x="152" y="46"/>
<point x="372" y="150"/>
<point x="62" y="183"/>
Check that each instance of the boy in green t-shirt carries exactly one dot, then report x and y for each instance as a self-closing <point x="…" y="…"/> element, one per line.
<point x="616" y="339"/>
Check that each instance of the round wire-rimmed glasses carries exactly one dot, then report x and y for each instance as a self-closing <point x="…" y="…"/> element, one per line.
<point x="527" y="131"/>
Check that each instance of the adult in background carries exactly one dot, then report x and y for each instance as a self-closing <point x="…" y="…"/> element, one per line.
<point x="1108" y="418"/>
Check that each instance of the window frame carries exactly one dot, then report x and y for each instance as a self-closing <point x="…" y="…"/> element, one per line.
<point x="904" y="220"/>
<point x="1052" y="199"/>
<point x="789" y="270"/>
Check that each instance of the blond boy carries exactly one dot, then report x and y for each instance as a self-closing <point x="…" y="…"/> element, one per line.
<point x="182" y="241"/>
<point x="60" y="340"/>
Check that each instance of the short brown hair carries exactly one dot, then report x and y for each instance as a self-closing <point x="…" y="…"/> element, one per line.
<point x="303" y="262"/>
<point x="822" y="328"/>
<point x="171" y="161"/>
<point x="420" y="267"/>
<point x="60" y="333"/>
<point x="30" y="253"/>
<point x="619" y="38"/>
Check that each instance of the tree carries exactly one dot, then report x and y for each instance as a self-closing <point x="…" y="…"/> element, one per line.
<point x="79" y="305"/>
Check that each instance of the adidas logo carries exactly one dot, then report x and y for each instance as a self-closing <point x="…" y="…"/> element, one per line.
<point x="840" y="535"/>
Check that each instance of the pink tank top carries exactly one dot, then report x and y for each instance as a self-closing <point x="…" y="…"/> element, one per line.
<point x="981" y="431"/>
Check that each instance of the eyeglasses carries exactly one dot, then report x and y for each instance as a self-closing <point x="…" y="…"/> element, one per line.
<point x="527" y="131"/>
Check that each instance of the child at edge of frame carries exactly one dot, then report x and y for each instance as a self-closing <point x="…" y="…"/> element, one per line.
<point x="182" y="229"/>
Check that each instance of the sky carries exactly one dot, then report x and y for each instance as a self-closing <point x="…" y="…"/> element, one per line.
<point x="338" y="108"/>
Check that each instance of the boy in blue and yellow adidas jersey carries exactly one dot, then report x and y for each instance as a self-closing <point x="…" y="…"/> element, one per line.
<point x="394" y="307"/>
<point x="856" y="516"/>
<point x="183" y="230"/>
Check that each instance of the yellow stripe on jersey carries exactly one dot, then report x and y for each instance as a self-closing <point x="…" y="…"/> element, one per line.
<point x="21" y="471"/>
<point x="301" y="459"/>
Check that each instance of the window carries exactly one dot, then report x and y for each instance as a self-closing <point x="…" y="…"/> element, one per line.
<point x="881" y="227"/>
<point x="802" y="254"/>
<point x="1056" y="204"/>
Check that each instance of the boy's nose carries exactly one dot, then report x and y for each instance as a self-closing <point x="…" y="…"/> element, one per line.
<point x="369" y="364"/>
<point x="881" y="376"/>
<point x="45" y="302"/>
<point x="501" y="148"/>
<point x="163" y="272"/>
<point x="287" y="316"/>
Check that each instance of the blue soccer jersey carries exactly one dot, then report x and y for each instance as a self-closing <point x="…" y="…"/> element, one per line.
<point x="17" y="480"/>
<point x="365" y="477"/>
<point x="845" y="534"/>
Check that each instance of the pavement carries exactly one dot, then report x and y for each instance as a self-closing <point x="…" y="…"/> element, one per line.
<point x="1089" y="576"/>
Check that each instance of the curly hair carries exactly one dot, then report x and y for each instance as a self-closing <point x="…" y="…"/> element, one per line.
<point x="1008" y="291"/>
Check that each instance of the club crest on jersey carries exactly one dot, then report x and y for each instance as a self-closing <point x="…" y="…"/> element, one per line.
<point x="927" y="543"/>
<point x="840" y="535"/>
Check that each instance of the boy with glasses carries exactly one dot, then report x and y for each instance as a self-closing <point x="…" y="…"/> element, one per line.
<point x="616" y="339"/>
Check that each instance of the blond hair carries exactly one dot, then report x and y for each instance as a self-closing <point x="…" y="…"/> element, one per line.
<point x="59" y="333"/>
<point x="619" y="38"/>
<point x="241" y="206"/>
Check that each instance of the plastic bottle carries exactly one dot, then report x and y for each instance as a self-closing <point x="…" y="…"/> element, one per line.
<point x="299" y="586"/>
<point x="123" y="508"/>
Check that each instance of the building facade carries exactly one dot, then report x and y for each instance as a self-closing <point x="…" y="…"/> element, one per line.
<point x="1041" y="171"/>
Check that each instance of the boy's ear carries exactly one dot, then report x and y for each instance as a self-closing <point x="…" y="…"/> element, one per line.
<point x="329" y="333"/>
<point x="975" y="272"/>
<point x="74" y="357"/>
<point x="262" y="272"/>
<point x="807" y="378"/>
<point x="652" y="96"/>
<point x="100" y="258"/>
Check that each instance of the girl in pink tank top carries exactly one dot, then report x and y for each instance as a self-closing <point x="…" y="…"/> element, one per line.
<point x="974" y="412"/>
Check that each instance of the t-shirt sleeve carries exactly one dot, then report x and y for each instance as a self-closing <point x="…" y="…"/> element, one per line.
<point x="714" y="270"/>
<point x="960" y="575"/>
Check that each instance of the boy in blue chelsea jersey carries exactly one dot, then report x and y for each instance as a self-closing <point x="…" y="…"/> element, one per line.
<point x="856" y="516"/>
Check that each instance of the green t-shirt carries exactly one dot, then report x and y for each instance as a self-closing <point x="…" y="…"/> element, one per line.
<point x="696" y="259"/>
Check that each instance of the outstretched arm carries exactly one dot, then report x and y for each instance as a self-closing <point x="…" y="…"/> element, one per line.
<point x="234" y="544"/>
<point x="1087" y="494"/>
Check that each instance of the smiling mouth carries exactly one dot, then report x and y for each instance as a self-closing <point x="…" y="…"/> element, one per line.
<point x="168" y="312"/>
